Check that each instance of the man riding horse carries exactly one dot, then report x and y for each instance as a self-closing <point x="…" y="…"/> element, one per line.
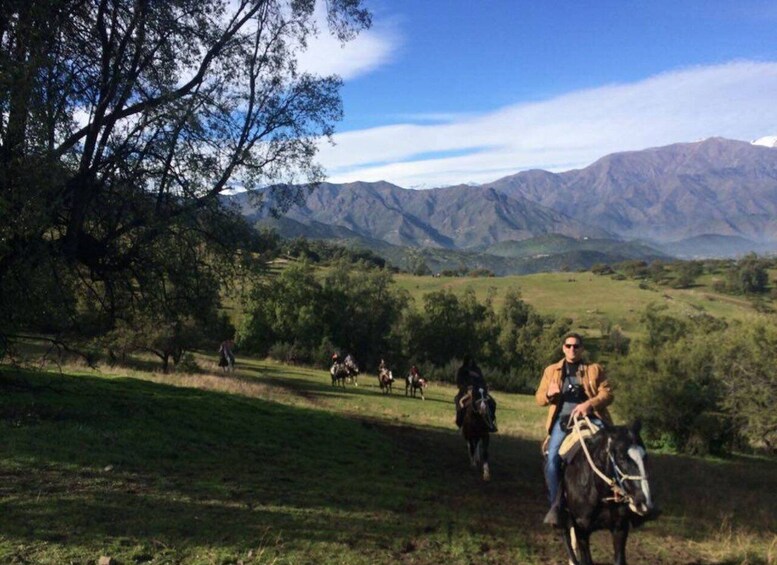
<point x="472" y="385"/>
<point x="570" y="388"/>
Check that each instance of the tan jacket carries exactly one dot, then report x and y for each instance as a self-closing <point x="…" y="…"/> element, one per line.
<point x="595" y="384"/>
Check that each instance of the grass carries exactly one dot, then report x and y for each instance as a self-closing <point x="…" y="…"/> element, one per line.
<point x="587" y="298"/>
<point x="274" y="465"/>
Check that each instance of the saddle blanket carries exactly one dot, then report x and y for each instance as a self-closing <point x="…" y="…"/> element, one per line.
<point x="570" y="446"/>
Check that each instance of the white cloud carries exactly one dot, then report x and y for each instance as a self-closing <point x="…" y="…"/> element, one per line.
<point x="734" y="100"/>
<point x="370" y="49"/>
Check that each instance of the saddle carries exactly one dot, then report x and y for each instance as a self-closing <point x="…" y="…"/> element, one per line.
<point x="571" y="444"/>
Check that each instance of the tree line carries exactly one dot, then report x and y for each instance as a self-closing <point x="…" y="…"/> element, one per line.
<point x="699" y="384"/>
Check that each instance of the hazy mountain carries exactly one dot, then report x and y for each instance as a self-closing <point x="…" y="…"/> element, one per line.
<point x="715" y="197"/>
<point x="715" y="186"/>
<point x="712" y="245"/>
<point x="460" y="217"/>
<point x="554" y="244"/>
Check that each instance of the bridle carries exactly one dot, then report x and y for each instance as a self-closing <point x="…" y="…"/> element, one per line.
<point x="620" y="495"/>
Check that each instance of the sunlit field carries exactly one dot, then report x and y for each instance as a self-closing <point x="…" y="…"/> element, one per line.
<point x="274" y="465"/>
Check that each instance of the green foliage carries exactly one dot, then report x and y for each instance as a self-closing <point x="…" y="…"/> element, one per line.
<point x="686" y="273"/>
<point x="670" y="385"/>
<point x="747" y="276"/>
<point x="700" y="385"/>
<point x="615" y="342"/>
<point x="320" y="251"/>
<point x="123" y="125"/>
<point x="745" y="366"/>
<point x="634" y="269"/>
<point x="354" y="309"/>
<point x="601" y="269"/>
<point x="286" y="308"/>
<point x="448" y="327"/>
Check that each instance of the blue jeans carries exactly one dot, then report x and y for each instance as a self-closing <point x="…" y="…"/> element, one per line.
<point x="553" y="463"/>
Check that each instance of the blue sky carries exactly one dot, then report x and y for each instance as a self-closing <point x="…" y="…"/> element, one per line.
<point x="442" y="92"/>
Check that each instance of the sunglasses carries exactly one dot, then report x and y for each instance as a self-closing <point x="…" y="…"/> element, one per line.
<point x="573" y="345"/>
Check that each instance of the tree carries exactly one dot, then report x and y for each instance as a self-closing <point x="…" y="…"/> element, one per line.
<point x="124" y="121"/>
<point x="364" y="311"/>
<point x="744" y="369"/>
<point x="288" y="308"/>
<point x="448" y="327"/>
<point x="752" y="276"/>
<point x="687" y="273"/>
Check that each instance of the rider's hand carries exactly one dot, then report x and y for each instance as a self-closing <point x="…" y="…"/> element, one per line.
<point x="553" y="389"/>
<point x="581" y="410"/>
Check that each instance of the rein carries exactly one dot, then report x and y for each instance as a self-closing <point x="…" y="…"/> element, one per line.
<point x="615" y="484"/>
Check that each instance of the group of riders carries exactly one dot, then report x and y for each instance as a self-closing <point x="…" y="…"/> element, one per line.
<point x="570" y="388"/>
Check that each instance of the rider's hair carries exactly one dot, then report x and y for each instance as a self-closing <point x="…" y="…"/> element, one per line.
<point x="575" y="335"/>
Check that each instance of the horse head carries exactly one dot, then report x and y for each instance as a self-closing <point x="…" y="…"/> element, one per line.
<point x="628" y="459"/>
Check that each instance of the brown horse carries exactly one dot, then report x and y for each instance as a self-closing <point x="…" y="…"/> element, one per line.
<point x="385" y="379"/>
<point x="413" y="385"/>
<point x="475" y="428"/>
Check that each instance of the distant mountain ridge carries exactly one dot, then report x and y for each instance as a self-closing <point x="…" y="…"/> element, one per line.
<point x="671" y="197"/>
<point x="664" y="194"/>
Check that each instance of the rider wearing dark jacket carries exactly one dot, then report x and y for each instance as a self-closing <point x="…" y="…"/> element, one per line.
<point x="470" y="380"/>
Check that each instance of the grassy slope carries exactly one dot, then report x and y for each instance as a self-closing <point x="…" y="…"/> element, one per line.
<point x="273" y="465"/>
<point x="588" y="298"/>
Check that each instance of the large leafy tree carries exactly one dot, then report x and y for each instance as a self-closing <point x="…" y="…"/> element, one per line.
<point x="123" y="121"/>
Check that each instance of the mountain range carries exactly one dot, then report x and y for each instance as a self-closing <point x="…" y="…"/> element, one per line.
<point x="716" y="197"/>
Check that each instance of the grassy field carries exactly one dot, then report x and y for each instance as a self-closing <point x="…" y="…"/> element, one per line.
<point x="588" y="299"/>
<point x="274" y="465"/>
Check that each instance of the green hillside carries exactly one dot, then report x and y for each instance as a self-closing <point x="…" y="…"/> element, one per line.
<point x="553" y="244"/>
<point x="588" y="299"/>
<point x="273" y="465"/>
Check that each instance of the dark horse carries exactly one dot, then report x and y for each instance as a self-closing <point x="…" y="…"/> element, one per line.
<point x="385" y="379"/>
<point x="339" y="373"/>
<point x="474" y="428"/>
<point x="606" y="487"/>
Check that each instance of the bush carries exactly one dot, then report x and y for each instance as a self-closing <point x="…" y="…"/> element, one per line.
<point x="289" y="353"/>
<point x="187" y="364"/>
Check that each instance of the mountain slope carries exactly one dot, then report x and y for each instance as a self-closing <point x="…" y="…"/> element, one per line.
<point x="461" y="217"/>
<point x="715" y="186"/>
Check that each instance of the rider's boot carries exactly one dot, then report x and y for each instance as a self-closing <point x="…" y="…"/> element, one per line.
<point x="553" y="518"/>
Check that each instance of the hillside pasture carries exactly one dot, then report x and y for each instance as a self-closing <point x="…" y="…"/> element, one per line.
<point x="588" y="299"/>
<point x="274" y="465"/>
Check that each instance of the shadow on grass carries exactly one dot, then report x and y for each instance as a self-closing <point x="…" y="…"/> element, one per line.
<point x="88" y="461"/>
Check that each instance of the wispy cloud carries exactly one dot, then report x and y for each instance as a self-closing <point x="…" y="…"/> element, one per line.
<point x="373" y="48"/>
<point x="734" y="100"/>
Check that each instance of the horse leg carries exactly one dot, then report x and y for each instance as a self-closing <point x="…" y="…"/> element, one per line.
<point x="472" y="449"/>
<point x="583" y="539"/>
<point x="570" y="544"/>
<point x="619" y="537"/>
<point x="484" y="442"/>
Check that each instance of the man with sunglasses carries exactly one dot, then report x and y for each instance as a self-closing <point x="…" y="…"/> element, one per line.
<point x="570" y="388"/>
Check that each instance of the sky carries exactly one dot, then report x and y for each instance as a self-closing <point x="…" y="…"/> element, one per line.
<point x="445" y="92"/>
